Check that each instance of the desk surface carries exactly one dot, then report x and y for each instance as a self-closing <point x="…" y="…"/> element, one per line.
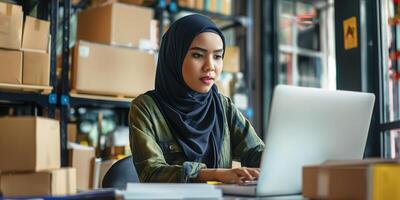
<point x="291" y="197"/>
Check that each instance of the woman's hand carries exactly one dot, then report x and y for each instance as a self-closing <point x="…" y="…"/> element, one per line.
<point x="237" y="175"/>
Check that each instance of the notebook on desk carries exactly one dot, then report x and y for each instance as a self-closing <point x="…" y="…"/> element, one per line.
<point x="308" y="126"/>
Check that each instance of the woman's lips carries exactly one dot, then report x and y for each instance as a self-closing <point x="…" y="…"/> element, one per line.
<point x="207" y="80"/>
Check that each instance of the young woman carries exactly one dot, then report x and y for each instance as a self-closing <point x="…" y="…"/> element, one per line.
<point x="184" y="130"/>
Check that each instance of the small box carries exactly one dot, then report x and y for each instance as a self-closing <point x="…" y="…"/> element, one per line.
<point x="72" y="130"/>
<point x="375" y="180"/>
<point x="36" y="68"/>
<point x="44" y="183"/>
<point x="115" y="24"/>
<point x="199" y="4"/>
<point x="29" y="144"/>
<point x="82" y="159"/>
<point x="226" y="7"/>
<point x="36" y="35"/>
<point x="10" y="66"/>
<point x="232" y="59"/>
<point x="108" y="70"/>
<point x="11" y="18"/>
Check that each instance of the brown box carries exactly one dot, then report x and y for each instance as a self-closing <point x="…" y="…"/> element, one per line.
<point x="10" y="66"/>
<point x="50" y="182"/>
<point x="11" y="18"/>
<point x="36" y="35"/>
<point x="115" y="24"/>
<point x="359" y="180"/>
<point x="232" y="59"/>
<point x="36" y="68"/>
<point x="226" y="7"/>
<point x="103" y="69"/>
<point x="72" y="131"/>
<point x="29" y="144"/>
<point x="199" y="4"/>
<point x="82" y="160"/>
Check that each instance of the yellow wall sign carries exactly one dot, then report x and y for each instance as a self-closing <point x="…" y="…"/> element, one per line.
<point x="350" y="33"/>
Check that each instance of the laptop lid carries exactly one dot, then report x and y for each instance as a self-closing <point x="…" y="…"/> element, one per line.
<point x="309" y="126"/>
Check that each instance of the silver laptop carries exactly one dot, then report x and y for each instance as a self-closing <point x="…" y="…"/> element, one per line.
<point x="308" y="126"/>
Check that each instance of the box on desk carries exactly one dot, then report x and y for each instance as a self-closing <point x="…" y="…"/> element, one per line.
<point x="48" y="182"/>
<point x="11" y="18"/>
<point x="10" y="66"/>
<point x="29" y="144"/>
<point x="102" y="69"/>
<point x="113" y="24"/>
<point x="374" y="180"/>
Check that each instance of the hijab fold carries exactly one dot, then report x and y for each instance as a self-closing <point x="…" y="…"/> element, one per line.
<point x="195" y="119"/>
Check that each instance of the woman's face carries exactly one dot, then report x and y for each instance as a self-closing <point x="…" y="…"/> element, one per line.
<point x="203" y="62"/>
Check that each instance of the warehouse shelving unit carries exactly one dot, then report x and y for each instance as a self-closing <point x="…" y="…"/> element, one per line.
<point x="45" y="97"/>
<point x="70" y="100"/>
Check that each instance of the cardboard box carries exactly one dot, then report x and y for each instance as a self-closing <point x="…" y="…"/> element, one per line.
<point x="199" y="4"/>
<point x="11" y="18"/>
<point x="186" y="3"/>
<point x="36" y="68"/>
<point x="82" y="159"/>
<point x="115" y="24"/>
<point x="50" y="182"/>
<point x="10" y="66"/>
<point x="29" y="144"/>
<point x="223" y="87"/>
<point x="361" y="181"/>
<point x="226" y="7"/>
<point x="36" y="35"/>
<point x="72" y="131"/>
<point x="102" y="69"/>
<point x="232" y="59"/>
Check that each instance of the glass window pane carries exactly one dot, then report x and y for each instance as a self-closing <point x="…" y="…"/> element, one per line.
<point x="286" y="7"/>
<point x="285" y="69"/>
<point x="310" y="71"/>
<point x="392" y="144"/>
<point x="391" y="71"/>
<point x="308" y="27"/>
<point x="285" y="30"/>
<point x="286" y="19"/>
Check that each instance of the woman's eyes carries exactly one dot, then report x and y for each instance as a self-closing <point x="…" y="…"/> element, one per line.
<point x="217" y="57"/>
<point x="199" y="55"/>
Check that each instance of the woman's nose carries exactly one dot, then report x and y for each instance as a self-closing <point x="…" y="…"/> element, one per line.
<point x="209" y="64"/>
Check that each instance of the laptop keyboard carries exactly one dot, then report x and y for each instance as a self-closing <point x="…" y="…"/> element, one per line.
<point x="250" y="183"/>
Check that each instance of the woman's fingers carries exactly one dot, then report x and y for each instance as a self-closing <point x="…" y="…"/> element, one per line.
<point x="244" y="174"/>
<point x="254" y="172"/>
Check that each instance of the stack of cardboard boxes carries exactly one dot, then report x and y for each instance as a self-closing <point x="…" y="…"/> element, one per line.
<point x="30" y="158"/>
<point x="111" y="56"/>
<point x="24" y="52"/>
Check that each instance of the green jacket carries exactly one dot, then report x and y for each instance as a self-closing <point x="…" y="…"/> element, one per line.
<point x="158" y="157"/>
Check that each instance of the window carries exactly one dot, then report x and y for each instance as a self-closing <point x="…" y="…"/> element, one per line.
<point x="306" y="43"/>
<point x="390" y="119"/>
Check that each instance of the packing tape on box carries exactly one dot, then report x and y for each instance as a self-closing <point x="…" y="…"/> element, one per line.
<point x="37" y="25"/>
<point x="323" y="184"/>
<point x="8" y="9"/>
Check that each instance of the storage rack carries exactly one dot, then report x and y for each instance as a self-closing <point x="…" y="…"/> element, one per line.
<point x="46" y="100"/>
<point x="62" y="97"/>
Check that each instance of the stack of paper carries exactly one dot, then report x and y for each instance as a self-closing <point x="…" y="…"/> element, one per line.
<point x="170" y="191"/>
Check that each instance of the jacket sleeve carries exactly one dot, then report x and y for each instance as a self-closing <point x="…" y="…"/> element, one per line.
<point x="148" y="156"/>
<point x="246" y="145"/>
